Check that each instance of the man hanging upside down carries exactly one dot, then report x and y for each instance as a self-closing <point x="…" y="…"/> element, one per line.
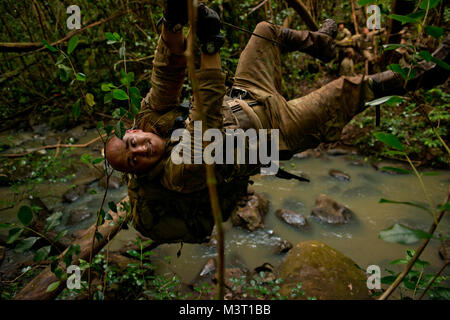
<point x="170" y="199"/>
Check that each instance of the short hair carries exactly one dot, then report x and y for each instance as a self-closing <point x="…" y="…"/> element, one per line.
<point x="114" y="155"/>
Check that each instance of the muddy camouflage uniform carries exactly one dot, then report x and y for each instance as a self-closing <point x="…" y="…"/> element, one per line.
<point x="366" y="43"/>
<point x="343" y="34"/>
<point x="172" y="202"/>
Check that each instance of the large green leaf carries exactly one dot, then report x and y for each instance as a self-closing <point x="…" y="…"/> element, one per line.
<point x="25" y="215"/>
<point x="366" y="2"/>
<point x="42" y="253"/>
<point x="434" y="31"/>
<point x="136" y="98"/>
<point x="393" y="46"/>
<point x="120" y="129"/>
<point x="13" y="235"/>
<point x="390" y="100"/>
<point x="86" y="158"/>
<point x="399" y="233"/>
<point x="76" y="111"/>
<point x="417" y="205"/>
<point x="60" y="235"/>
<point x="404" y="19"/>
<point x="428" y="57"/>
<point x="25" y="244"/>
<point x="399" y="261"/>
<point x="72" y="44"/>
<point x="388" y="279"/>
<point x="112" y="205"/>
<point x="390" y="140"/>
<point x="64" y="72"/>
<point x="396" y="170"/>
<point x="81" y="76"/>
<point x="73" y="249"/>
<point x="406" y="73"/>
<point x="53" y="221"/>
<point x="444" y="207"/>
<point x="53" y="286"/>
<point x="90" y="100"/>
<point x="119" y="94"/>
<point x="106" y="87"/>
<point x="428" y="4"/>
<point x="49" y="46"/>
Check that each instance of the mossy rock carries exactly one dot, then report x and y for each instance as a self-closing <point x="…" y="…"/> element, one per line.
<point x="324" y="272"/>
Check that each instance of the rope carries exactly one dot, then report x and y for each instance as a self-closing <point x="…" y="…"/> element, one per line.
<point x="252" y="33"/>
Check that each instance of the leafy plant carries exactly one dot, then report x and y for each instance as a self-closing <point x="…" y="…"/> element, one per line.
<point x="416" y="281"/>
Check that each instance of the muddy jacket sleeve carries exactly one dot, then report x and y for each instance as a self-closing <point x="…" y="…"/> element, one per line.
<point x="167" y="79"/>
<point x="190" y="175"/>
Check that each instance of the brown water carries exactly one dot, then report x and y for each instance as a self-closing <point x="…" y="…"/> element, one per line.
<point x="358" y="239"/>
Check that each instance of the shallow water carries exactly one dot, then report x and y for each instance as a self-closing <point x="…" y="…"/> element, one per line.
<point x="357" y="240"/>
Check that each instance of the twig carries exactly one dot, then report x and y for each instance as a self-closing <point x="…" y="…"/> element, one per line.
<point x="19" y="276"/>
<point x="434" y="279"/>
<point x="416" y="256"/>
<point x="210" y="176"/>
<point x="302" y="10"/>
<point x="53" y="146"/>
<point x="36" y="47"/>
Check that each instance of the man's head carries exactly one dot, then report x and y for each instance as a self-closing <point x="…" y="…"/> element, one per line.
<point x="365" y="31"/>
<point x="341" y="26"/>
<point x="349" y="52"/>
<point x="137" y="152"/>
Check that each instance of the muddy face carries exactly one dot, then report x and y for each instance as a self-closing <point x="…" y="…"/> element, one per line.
<point x="137" y="152"/>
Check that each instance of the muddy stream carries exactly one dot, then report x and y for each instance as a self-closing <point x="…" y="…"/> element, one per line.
<point x="357" y="239"/>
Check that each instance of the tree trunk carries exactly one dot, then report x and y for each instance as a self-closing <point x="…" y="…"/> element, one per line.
<point x="401" y="7"/>
<point x="355" y="20"/>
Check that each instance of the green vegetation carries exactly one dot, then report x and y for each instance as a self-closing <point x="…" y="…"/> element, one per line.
<point x="417" y="281"/>
<point x="99" y="76"/>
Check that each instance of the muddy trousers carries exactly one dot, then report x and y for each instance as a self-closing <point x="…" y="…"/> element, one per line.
<point x="307" y="121"/>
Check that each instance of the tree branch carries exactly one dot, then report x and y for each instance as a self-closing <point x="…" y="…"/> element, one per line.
<point x="36" y="289"/>
<point x="302" y="10"/>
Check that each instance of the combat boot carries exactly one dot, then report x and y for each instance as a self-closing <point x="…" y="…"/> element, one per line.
<point x="428" y="75"/>
<point x="329" y="28"/>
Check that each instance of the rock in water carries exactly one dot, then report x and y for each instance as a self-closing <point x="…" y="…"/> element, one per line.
<point x="282" y="246"/>
<point x="292" y="218"/>
<point x="73" y="195"/>
<point x="329" y="211"/>
<point x="78" y="215"/>
<point x="114" y="182"/>
<point x="251" y="215"/>
<point x="339" y="175"/>
<point x="324" y="272"/>
<point x="207" y="274"/>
